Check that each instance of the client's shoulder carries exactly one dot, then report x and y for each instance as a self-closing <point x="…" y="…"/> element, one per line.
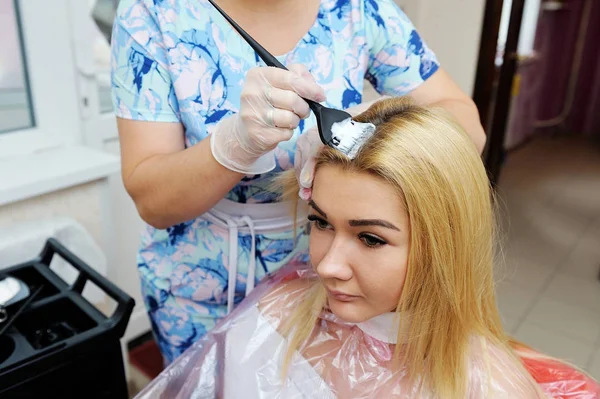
<point x="496" y="371"/>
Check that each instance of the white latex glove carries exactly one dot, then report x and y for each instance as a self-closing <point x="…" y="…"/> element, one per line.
<point x="308" y="146"/>
<point x="271" y="107"/>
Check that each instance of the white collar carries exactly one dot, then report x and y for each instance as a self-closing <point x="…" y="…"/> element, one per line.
<point x="384" y="327"/>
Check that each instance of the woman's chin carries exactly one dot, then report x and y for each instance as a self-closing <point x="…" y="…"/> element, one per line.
<point x="349" y="312"/>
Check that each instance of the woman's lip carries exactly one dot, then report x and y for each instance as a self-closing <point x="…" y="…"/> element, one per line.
<point x="340" y="296"/>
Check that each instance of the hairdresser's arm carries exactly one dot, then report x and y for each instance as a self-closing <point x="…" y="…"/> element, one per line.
<point x="168" y="183"/>
<point x="441" y="90"/>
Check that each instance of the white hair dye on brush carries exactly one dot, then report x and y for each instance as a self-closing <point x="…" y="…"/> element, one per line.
<point x="349" y="136"/>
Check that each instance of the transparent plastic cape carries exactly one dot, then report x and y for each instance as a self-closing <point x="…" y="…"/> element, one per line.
<point x="242" y="357"/>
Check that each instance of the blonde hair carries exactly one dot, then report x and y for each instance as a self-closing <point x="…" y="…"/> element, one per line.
<point x="449" y="289"/>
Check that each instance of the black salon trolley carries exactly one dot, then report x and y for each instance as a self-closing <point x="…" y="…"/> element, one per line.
<point x="59" y="345"/>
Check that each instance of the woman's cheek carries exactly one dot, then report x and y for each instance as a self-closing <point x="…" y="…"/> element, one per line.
<point x="318" y="244"/>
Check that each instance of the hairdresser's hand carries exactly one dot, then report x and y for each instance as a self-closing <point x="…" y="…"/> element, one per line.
<point x="271" y="107"/>
<point x="307" y="148"/>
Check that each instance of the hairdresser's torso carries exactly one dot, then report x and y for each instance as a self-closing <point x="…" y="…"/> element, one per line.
<point x="278" y="25"/>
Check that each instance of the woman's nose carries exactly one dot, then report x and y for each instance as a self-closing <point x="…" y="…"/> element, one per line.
<point x="334" y="264"/>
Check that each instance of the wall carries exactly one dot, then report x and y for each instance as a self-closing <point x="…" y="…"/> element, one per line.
<point x="82" y="203"/>
<point x="452" y="28"/>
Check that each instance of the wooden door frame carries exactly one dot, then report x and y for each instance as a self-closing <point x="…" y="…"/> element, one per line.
<point x="495" y="119"/>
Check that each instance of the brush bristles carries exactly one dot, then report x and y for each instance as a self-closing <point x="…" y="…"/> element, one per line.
<point x="349" y="136"/>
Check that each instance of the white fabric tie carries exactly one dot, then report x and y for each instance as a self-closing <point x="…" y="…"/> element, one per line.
<point x="233" y="224"/>
<point x="223" y="215"/>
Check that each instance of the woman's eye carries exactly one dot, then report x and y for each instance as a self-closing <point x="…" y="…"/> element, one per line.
<point x="319" y="223"/>
<point x="371" y="241"/>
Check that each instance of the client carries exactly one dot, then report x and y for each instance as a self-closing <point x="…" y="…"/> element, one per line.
<point x="399" y="299"/>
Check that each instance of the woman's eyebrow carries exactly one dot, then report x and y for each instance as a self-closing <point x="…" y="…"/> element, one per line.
<point x="358" y="222"/>
<point x="372" y="222"/>
<point x="316" y="208"/>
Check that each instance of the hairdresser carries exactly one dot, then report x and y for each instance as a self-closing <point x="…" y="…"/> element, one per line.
<point x="204" y="126"/>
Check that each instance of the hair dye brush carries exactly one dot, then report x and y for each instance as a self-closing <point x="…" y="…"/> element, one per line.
<point x="336" y="127"/>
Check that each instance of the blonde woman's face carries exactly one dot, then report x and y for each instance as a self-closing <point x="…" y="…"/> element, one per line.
<point x="359" y="242"/>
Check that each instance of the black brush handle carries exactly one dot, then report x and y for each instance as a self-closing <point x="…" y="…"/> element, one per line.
<point x="267" y="57"/>
<point x="262" y="52"/>
<point x="21" y="310"/>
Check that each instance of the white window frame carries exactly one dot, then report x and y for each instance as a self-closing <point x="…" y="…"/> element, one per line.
<point x="97" y="127"/>
<point x="52" y="80"/>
